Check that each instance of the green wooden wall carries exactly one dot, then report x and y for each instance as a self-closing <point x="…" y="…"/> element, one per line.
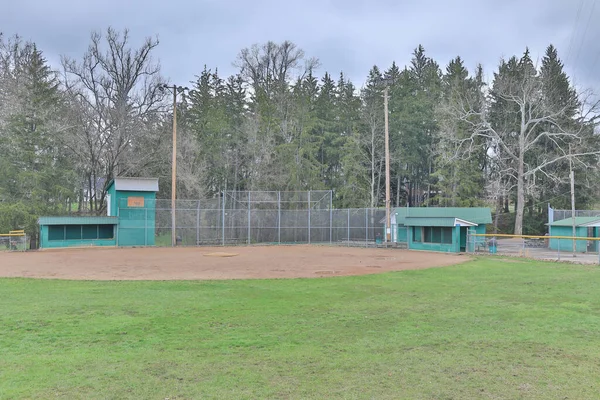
<point x="137" y="225"/>
<point x="566" y="244"/>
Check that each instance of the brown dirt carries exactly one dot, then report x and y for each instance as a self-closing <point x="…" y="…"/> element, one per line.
<point x="215" y="263"/>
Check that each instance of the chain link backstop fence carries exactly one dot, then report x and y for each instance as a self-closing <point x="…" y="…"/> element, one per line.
<point x="257" y="217"/>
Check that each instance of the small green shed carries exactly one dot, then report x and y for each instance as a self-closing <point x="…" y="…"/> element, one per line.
<point x="57" y="232"/>
<point x="584" y="227"/>
<point x="439" y="228"/>
<point x="130" y="219"/>
<point x="133" y="202"/>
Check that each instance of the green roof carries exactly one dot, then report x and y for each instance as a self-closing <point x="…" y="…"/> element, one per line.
<point x="430" y="221"/>
<point x="77" y="220"/>
<point x="476" y="215"/>
<point x="579" y="221"/>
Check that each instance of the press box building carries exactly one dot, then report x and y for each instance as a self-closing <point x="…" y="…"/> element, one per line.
<point x="130" y="219"/>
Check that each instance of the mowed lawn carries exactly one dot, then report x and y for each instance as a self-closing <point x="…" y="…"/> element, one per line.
<point x="491" y="328"/>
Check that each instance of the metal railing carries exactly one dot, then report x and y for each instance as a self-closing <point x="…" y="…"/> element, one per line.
<point x="14" y="241"/>
<point x="556" y="248"/>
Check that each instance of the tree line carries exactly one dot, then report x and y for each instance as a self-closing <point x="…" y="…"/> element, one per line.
<point x="455" y="139"/>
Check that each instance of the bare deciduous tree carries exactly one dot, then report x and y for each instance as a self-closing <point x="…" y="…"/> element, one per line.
<point x="114" y="89"/>
<point x="372" y="141"/>
<point x="270" y="67"/>
<point x="527" y="120"/>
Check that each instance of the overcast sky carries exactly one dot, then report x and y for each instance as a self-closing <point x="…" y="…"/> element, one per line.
<point x="345" y="35"/>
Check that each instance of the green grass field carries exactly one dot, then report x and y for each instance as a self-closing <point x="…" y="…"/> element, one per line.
<point x="488" y="329"/>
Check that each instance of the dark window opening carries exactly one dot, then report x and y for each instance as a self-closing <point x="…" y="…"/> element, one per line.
<point x="434" y="234"/>
<point x="73" y="232"/>
<point x="79" y="232"/>
<point x="89" y="231"/>
<point x="56" y="232"/>
<point x="417" y="234"/>
<point x="106" y="232"/>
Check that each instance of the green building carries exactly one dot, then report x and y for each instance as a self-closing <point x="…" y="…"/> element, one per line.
<point x="438" y="228"/>
<point x="584" y="227"/>
<point x="133" y="202"/>
<point x="130" y="219"/>
<point x="57" y="232"/>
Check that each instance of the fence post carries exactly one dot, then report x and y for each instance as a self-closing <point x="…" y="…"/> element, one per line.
<point x="558" y="241"/>
<point x="145" y="227"/>
<point x="248" y="217"/>
<point x="366" y="227"/>
<point x="468" y="240"/>
<point x="279" y="217"/>
<point x="118" y="224"/>
<point x="309" y="216"/>
<point x="348" y="228"/>
<point x="223" y="217"/>
<point x="198" y="224"/>
<point x="330" y="217"/>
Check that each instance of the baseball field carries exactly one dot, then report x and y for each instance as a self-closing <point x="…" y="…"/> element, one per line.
<point x="295" y="322"/>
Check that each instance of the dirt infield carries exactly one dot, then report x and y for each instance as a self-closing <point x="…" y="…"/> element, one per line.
<point x="216" y="262"/>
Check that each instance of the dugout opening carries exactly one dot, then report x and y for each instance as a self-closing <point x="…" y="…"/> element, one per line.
<point x="56" y="232"/>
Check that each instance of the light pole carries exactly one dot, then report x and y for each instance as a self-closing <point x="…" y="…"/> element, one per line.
<point x="175" y="89"/>
<point x="388" y="218"/>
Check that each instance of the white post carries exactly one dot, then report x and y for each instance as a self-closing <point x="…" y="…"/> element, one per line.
<point x="248" y="217"/>
<point x="223" y="218"/>
<point x="366" y="227"/>
<point x="572" y="177"/>
<point x="279" y="217"/>
<point x="309" y="216"/>
<point x="330" y="217"/>
<point x="198" y="224"/>
<point x="348" y="228"/>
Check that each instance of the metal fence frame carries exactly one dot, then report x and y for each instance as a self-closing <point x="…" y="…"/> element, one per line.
<point x="557" y="215"/>
<point x="270" y="217"/>
<point x="531" y="246"/>
<point x="14" y="242"/>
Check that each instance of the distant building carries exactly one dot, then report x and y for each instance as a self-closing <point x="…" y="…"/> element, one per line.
<point x="438" y="228"/>
<point x="584" y="227"/>
<point x="130" y="219"/>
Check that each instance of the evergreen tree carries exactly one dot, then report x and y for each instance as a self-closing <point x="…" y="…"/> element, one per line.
<point x="37" y="171"/>
<point x="460" y="176"/>
<point x="355" y="188"/>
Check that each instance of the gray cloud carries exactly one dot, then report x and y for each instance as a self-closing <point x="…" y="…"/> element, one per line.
<point x="346" y="35"/>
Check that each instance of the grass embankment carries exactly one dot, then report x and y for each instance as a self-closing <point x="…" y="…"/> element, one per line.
<point x="490" y="328"/>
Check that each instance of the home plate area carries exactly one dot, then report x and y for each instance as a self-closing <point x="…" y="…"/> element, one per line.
<point x="199" y="263"/>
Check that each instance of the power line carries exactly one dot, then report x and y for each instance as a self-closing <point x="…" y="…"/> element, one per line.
<point x="574" y="28"/>
<point x="584" y="35"/>
<point x="593" y="65"/>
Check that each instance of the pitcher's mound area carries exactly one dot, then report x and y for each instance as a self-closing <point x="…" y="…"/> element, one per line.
<point x="216" y="263"/>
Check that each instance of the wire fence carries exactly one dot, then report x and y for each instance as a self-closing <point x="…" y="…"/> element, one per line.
<point x="557" y="215"/>
<point x="258" y="217"/>
<point x="554" y="248"/>
<point x="14" y="241"/>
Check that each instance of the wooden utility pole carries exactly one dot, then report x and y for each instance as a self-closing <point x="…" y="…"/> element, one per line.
<point x="572" y="177"/>
<point x="174" y="170"/>
<point x="388" y="231"/>
<point x="175" y="89"/>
